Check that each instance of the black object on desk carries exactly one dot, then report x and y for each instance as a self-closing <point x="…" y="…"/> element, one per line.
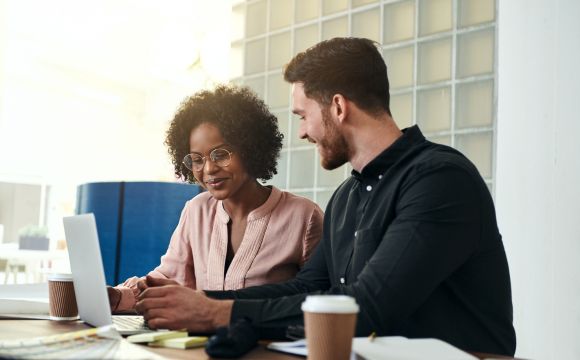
<point x="232" y="341"/>
<point x="295" y="332"/>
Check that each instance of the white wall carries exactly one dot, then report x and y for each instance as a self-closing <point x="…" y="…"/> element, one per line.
<point x="88" y="95"/>
<point x="538" y="171"/>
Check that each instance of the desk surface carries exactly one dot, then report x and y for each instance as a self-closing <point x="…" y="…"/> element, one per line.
<point x="17" y="329"/>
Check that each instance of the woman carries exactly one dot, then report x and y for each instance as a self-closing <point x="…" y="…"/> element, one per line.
<point x="238" y="233"/>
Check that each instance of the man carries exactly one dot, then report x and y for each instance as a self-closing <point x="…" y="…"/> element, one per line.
<point x="411" y="235"/>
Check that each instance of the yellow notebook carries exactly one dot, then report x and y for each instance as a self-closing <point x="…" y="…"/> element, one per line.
<point x="156" y="336"/>
<point x="181" y="342"/>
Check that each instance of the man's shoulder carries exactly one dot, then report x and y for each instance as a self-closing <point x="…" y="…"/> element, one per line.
<point x="442" y="168"/>
<point x="434" y="157"/>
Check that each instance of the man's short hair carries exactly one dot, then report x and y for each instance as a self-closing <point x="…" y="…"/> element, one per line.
<point x="352" y="67"/>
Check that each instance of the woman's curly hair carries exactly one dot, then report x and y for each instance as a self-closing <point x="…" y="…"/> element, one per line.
<point x="243" y="120"/>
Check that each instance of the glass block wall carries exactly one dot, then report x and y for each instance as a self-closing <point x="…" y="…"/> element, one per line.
<point x="441" y="63"/>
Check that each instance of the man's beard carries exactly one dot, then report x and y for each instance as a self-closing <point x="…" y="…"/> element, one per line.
<point x="334" y="150"/>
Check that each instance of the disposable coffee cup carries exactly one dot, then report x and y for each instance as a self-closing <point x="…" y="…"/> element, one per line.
<point x="61" y="297"/>
<point x="330" y="322"/>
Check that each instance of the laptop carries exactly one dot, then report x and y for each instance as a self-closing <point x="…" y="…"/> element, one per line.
<point x="89" y="277"/>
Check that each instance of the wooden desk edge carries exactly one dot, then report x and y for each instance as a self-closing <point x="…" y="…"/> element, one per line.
<point x="17" y="329"/>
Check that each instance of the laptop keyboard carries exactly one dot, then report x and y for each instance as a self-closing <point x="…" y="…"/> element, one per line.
<point x="129" y="323"/>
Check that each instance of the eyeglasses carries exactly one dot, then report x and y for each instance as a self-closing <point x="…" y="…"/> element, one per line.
<point x="196" y="162"/>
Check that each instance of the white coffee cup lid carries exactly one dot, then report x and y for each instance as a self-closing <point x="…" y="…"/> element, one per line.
<point x="335" y="304"/>
<point x="60" y="277"/>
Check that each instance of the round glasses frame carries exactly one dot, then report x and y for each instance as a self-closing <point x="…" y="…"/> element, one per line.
<point x="220" y="157"/>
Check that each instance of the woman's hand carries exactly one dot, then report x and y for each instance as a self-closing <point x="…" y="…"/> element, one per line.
<point x="142" y="284"/>
<point x="114" y="297"/>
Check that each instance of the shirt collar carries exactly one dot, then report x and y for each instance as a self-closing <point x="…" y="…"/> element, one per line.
<point x="379" y="165"/>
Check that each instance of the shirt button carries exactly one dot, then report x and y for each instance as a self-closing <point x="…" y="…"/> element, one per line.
<point x="342" y="280"/>
<point x="380" y="177"/>
<point x="369" y="188"/>
<point x="355" y="233"/>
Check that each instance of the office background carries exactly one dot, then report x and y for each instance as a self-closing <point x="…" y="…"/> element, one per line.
<point x="85" y="97"/>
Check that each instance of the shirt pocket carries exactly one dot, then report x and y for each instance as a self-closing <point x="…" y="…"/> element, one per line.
<point x="365" y="245"/>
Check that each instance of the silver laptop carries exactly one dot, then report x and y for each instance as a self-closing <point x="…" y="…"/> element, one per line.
<point x="89" y="277"/>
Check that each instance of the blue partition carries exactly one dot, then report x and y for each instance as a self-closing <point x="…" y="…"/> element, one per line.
<point x="135" y="221"/>
<point x="103" y="199"/>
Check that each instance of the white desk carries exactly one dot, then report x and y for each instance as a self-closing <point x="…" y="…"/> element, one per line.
<point x="36" y="263"/>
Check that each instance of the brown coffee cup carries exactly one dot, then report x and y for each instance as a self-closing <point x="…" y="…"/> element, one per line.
<point x="61" y="297"/>
<point x="330" y="322"/>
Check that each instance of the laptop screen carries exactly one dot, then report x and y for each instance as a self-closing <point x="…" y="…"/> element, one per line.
<point x="87" y="269"/>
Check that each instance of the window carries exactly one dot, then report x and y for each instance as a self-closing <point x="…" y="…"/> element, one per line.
<point x="441" y="63"/>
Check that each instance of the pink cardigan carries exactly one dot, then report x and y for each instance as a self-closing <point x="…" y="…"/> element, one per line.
<point x="280" y="236"/>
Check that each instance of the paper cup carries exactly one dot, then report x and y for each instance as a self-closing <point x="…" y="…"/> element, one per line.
<point x="330" y="322"/>
<point x="61" y="297"/>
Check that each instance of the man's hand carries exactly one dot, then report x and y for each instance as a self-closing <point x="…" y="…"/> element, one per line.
<point x="166" y="305"/>
<point x="114" y="297"/>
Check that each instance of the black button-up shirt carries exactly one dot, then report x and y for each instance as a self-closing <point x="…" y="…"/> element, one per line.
<point x="413" y="238"/>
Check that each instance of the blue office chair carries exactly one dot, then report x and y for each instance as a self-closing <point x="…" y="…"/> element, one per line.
<point x="135" y="221"/>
